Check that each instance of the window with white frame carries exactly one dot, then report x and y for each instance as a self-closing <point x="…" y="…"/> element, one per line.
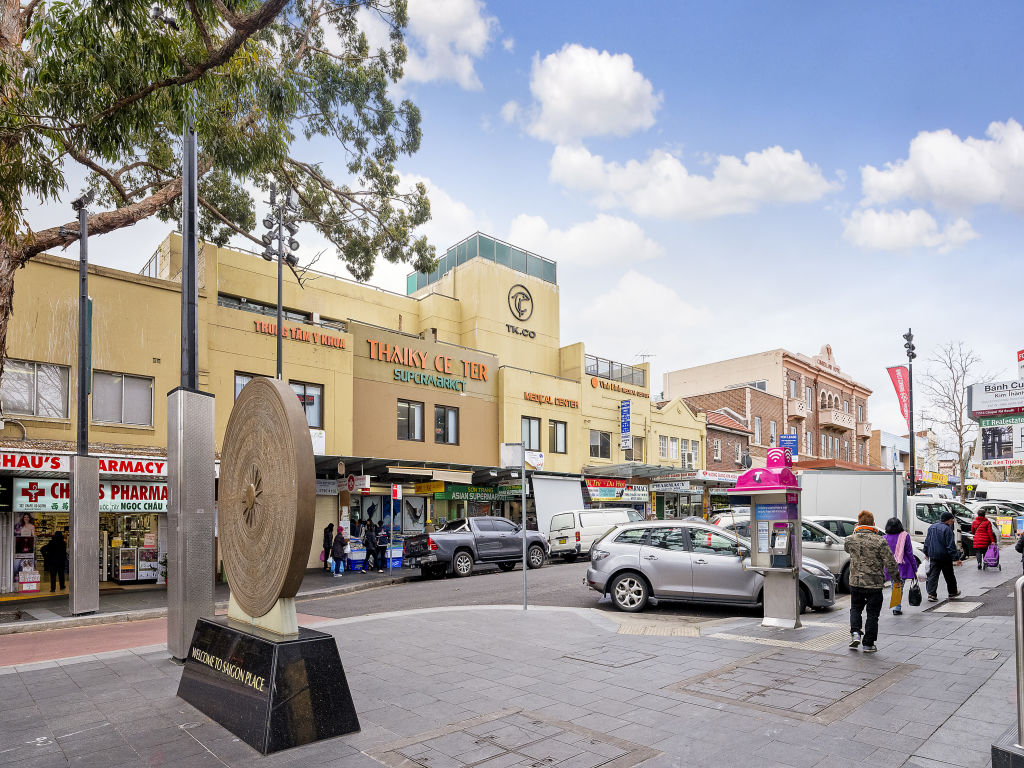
<point x="556" y="436"/>
<point x="695" y="450"/>
<point x="600" y="444"/>
<point x="716" y="448"/>
<point x="824" y="446"/>
<point x="773" y="432"/>
<point x="410" y="420"/>
<point x="846" y="406"/>
<point x="446" y="425"/>
<point x="792" y="387"/>
<point x="809" y="398"/>
<point x="860" y="453"/>
<point x="636" y="453"/>
<point x="673" y="445"/>
<point x="860" y="413"/>
<point x="757" y="430"/>
<point x="531" y="433"/>
<point x="807" y="443"/>
<point x="739" y="453"/>
<point x="118" y="398"/>
<point x="846" y="450"/>
<point x="663" y="446"/>
<point x="311" y="397"/>
<point x="35" y="389"/>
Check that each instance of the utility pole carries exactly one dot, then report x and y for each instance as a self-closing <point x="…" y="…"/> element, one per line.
<point x="276" y="222"/>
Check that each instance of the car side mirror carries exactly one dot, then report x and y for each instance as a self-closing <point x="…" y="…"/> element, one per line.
<point x="829" y="541"/>
<point x="743" y="552"/>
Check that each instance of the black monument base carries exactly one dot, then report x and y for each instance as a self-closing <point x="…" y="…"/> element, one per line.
<point x="270" y="692"/>
<point x="1006" y="753"/>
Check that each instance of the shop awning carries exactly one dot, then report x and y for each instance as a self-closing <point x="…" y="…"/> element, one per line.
<point x="629" y="470"/>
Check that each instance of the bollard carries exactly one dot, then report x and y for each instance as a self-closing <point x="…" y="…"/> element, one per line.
<point x="1018" y="627"/>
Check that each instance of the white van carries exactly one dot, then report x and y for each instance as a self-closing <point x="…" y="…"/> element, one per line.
<point x="572" y="533"/>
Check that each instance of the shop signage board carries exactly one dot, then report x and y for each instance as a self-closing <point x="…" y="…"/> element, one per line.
<point x="600" y="489"/>
<point x="996" y="398"/>
<point x="456" y="492"/>
<point x="1002" y="440"/>
<point x="791" y="441"/>
<point x="933" y="478"/>
<point x="48" y="462"/>
<point x="535" y="459"/>
<point x="681" y="486"/>
<point x="625" y="435"/>
<point x="357" y="483"/>
<point x="701" y="476"/>
<point x="326" y="487"/>
<point x="434" y="486"/>
<point x="635" y="494"/>
<point x="1020" y="363"/>
<point x="43" y="495"/>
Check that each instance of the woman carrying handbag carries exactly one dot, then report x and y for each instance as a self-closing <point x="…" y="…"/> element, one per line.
<point x="899" y="543"/>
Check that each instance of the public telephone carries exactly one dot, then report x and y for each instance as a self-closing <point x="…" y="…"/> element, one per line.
<point x="780" y="545"/>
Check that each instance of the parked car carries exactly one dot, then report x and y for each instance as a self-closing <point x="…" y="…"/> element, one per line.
<point x="460" y="544"/>
<point x="925" y="510"/>
<point x="689" y="560"/>
<point x="730" y="512"/>
<point x="816" y="542"/>
<point x="573" y="532"/>
<point x="842" y="527"/>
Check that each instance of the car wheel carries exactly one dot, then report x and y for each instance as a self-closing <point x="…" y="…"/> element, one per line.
<point x="844" y="578"/>
<point x="805" y="599"/>
<point x="535" y="557"/>
<point x="462" y="564"/>
<point x="629" y="592"/>
<point x="506" y="566"/>
<point x="570" y="557"/>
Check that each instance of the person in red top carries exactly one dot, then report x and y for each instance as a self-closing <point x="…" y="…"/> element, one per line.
<point x="984" y="534"/>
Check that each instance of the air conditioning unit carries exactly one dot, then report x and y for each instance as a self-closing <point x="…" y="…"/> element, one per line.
<point x="316" y="318"/>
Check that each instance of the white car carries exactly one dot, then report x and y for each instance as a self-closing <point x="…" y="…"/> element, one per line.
<point x="572" y="533"/>
<point x="843" y="527"/>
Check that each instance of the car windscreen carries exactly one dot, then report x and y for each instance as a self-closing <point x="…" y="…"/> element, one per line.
<point x="634" y="516"/>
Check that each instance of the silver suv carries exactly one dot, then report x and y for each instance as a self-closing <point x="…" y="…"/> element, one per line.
<point x="689" y="560"/>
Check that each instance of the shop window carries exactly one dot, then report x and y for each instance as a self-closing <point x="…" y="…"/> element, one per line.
<point x="636" y="453"/>
<point x="35" y="389"/>
<point x="118" y="398"/>
<point x="556" y="437"/>
<point x="410" y="420"/>
<point x="531" y="433"/>
<point x="311" y="398"/>
<point x="663" y="446"/>
<point x="601" y="444"/>
<point x="716" y="448"/>
<point x="446" y="425"/>
<point x="673" y="445"/>
<point x="757" y="430"/>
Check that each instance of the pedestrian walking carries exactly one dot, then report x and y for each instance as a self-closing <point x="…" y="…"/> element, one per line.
<point x="984" y="534"/>
<point x="383" y="540"/>
<point x="369" y="543"/>
<point x="940" y="546"/>
<point x="1019" y="547"/>
<point x="328" y="541"/>
<point x="338" y="547"/>
<point x="54" y="554"/>
<point x="870" y="559"/>
<point x="903" y="553"/>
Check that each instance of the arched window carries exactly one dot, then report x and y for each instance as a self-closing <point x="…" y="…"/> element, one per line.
<point x="824" y="400"/>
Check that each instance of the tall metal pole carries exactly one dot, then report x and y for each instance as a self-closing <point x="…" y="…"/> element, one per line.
<point x="189" y="247"/>
<point x="522" y="489"/>
<point x="83" y="331"/>
<point x="913" y="455"/>
<point x="280" y="280"/>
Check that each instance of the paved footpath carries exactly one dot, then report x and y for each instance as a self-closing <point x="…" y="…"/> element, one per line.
<point x="496" y="687"/>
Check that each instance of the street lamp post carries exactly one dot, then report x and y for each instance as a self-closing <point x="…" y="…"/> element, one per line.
<point x="276" y="222"/>
<point x="908" y="339"/>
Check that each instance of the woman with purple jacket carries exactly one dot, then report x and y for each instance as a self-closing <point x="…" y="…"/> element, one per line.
<point x="899" y="544"/>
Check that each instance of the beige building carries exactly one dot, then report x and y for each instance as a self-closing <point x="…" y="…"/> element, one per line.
<point x="811" y="397"/>
<point x="417" y="390"/>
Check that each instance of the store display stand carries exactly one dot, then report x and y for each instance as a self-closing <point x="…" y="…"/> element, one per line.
<point x="272" y="692"/>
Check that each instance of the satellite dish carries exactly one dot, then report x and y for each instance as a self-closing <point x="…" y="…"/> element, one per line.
<point x="745" y="462"/>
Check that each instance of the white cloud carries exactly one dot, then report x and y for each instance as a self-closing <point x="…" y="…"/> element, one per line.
<point x="509" y="44"/>
<point x="662" y="186"/>
<point x="954" y="173"/>
<point x="510" y="111"/>
<point x="903" y="230"/>
<point x="445" y="39"/>
<point x="583" y="92"/>
<point x="605" y="240"/>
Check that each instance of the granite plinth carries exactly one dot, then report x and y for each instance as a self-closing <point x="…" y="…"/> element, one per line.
<point x="274" y="693"/>
<point x="1006" y="753"/>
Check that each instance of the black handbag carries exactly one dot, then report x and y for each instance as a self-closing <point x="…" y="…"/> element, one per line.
<point x="914" y="594"/>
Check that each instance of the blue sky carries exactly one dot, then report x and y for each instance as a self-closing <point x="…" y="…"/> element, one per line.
<point x="717" y="179"/>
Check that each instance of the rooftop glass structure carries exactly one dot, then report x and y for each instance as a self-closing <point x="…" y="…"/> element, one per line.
<point x="481" y="246"/>
<point x="608" y="369"/>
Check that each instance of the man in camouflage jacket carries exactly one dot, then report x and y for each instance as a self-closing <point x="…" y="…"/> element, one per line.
<point x="870" y="557"/>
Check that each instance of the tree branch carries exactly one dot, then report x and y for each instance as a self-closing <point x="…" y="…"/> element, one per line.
<point x="226" y="221"/>
<point x="111" y="178"/>
<point x="198" y="20"/>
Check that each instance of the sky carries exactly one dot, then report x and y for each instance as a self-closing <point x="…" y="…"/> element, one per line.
<point x="718" y="179"/>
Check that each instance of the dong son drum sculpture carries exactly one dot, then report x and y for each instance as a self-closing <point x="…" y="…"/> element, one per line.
<point x="269" y="681"/>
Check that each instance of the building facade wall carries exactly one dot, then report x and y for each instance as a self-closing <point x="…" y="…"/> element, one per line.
<point x="732" y="445"/>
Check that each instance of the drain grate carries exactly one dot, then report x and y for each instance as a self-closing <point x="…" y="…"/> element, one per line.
<point x="797" y="684"/>
<point x="512" y="739"/>
<point x="8" y="616"/>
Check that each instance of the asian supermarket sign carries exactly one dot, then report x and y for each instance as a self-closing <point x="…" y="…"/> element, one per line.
<point x="37" y="495"/>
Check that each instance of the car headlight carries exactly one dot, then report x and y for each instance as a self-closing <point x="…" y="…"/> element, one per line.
<point x="599" y="554"/>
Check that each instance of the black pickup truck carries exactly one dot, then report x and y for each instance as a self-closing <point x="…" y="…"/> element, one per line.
<point x="459" y="544"/>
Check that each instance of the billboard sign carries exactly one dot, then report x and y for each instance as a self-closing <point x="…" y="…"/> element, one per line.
<point x="790" y="441"/>
<point x="1002" y="441"/>
<point x="997" y="398"/>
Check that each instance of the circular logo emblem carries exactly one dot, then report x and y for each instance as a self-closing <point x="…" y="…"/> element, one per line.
<point x="520" y="302"/>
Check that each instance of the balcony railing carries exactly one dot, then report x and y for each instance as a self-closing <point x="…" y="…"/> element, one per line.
<point x="864" y="429"/>
<point x="835" y="419"/>
<point x="797" y="408"/>
<point x="608" y="369"/>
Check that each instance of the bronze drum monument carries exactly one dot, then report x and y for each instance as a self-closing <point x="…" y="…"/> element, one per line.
<point x="269" y="681"/>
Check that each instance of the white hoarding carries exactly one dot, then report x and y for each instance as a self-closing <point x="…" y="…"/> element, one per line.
<point x="996" y="398"/>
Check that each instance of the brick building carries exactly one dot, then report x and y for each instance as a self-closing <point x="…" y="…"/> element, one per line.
<point x="809" y="396"/>
<point x="728" y="440"/>
<point x="753" y="410"/>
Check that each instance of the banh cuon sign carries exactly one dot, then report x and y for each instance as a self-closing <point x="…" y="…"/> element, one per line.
<point x="433" y="370"/>
<point x="996" y="398"/>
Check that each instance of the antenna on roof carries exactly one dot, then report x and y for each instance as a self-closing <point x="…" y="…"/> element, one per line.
<point x="645" y="356"/>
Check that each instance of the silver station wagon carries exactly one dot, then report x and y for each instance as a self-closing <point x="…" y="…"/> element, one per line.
<point x="689" y="560"/>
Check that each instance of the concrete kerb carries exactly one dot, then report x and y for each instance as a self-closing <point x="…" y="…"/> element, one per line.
<point x="118" y="617"/>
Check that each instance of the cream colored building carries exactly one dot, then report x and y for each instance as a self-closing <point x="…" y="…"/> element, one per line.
<point x="417" y="389"/>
